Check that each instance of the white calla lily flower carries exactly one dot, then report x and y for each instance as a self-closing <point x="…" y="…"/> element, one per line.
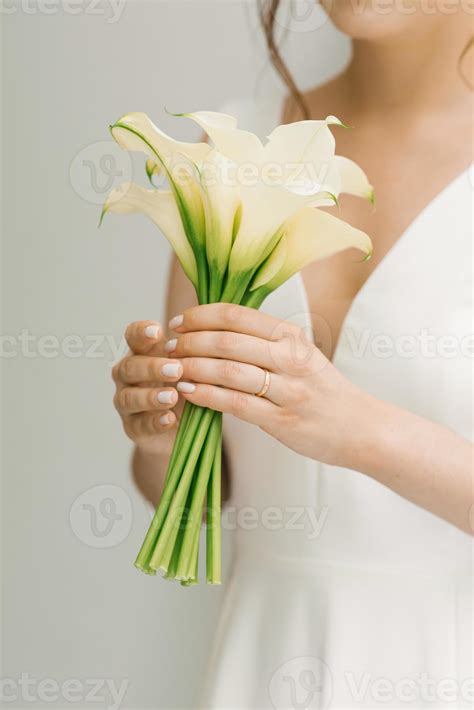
<point x="222" y="207"/>
<point x="353" y="179"/>
<point x="310" y="235"/>
<point x="136" y="131"/>
<point x="160" y="206"/>
<point x="238" y="197"/>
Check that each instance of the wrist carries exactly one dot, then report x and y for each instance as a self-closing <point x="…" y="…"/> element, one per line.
<point x="362" y="431"/>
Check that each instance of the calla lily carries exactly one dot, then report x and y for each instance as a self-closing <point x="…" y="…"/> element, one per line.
<point x="353" y="179"/>
<point x="136" y="132"/>
<point x="160" y="206"/>
<point x="242" y="216"/>
<point x="309" y="236"/>
<point x="222" y="207"/>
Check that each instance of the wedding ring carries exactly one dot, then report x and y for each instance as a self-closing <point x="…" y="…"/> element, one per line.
<point x="266" y="385"/>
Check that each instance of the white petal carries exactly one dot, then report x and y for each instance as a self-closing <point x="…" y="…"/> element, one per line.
<point x="160" y="207"/>
<point x="136" y="131"/>
<point x="212" y="120"/>
<point x="239" y="146"/>
<point x="310" y="141"/>
<point x="264" y="211"/>
<point x="305" y="152"/>
<point x="353" y="179"/>
<point x="221" y="200"/>
<point x="309" y="236"/>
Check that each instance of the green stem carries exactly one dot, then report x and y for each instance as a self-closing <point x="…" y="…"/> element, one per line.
<point x="175" y="508"/>
<point x="203" y="275"/>
<point x="195" y="513"/>
<point x="213" y="531"/>
<point x="235" y="287"/>
<point x="215" y="283"/>
<point x="174" y="557"/>
<point x="254" y="299"/>
<point x="177" y="462"/>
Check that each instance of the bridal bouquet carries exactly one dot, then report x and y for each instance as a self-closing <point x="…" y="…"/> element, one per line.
<point x="242" y="217"/>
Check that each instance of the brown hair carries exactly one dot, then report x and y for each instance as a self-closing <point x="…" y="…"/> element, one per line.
<point x="462" y="57"/>
<point x="268" y="10"/>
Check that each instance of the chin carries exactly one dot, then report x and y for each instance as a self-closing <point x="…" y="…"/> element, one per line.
<point x="377" y="19"/>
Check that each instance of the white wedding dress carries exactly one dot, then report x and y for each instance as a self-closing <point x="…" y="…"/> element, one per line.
<point x="341" y="593"/>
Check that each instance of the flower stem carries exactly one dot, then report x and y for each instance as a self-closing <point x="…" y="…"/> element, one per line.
<point x="175" y="507"/>
<point x="184" y="441"/>
<point x="195" y="513"/>
<point x="254" y="299"/>
<point x="213" y="522"/>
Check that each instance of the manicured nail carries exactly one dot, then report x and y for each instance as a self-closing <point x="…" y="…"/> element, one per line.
<point x="166" y="397"/>
<point x="186" y="387"/>
<point x="152" y="331"/>
<point x="165" y="419"/>
<point x="171" y="345"/>
<point x="171" y="369"/>
<point x="175" y="322"/>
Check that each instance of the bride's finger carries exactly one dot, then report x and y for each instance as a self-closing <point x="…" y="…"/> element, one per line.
<point x="231" y="317"/>
<point x="226" y="345"/>
<point x="234" y="375"/>
<point x="256" y="410"/>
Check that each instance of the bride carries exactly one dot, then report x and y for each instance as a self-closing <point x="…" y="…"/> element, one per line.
<point x="351" y="583"/>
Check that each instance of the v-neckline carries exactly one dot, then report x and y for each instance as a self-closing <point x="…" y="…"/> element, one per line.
<point x="388" y="256"/>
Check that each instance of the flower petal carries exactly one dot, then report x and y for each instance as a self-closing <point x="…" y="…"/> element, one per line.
<point x="309" y="236"/>
<point x="353" y="179"/>
<point x="304" y="150"/>
<point x="221" y="199"/>
<point x="237" y="145"/>
<point x="264" y="210"/>
<point x="302" y="141"/>
<point x="136" y="131"/>
<point x="160" y="207"/>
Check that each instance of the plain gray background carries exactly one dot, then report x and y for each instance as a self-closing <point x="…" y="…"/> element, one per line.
<point x="74" y="606"/>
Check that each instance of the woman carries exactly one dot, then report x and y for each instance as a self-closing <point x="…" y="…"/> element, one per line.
<point x="351" y="584"/>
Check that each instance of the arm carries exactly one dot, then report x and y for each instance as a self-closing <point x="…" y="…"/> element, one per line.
<point x="313" y="409"/>
<point x="420" y="460"/>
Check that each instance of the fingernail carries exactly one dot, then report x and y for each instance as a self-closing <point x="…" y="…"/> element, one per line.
<point x="151" y="331"/>
<point x="171" y="369"/>
<point x="171" y="345"/>
<point x="186" y="387"/>
<point x="165" y="397"/>
<point x="165" y="419"/>
<point x="175" y="322"/>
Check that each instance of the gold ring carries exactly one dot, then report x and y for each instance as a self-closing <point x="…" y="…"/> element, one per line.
<point x="266" y="385"/>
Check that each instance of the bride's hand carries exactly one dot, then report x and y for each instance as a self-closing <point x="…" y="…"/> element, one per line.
<point x="309" y="406"/>
<point x="145" y="395"/>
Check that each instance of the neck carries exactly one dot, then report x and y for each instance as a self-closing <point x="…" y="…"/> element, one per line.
<point x="414" y="72"/>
